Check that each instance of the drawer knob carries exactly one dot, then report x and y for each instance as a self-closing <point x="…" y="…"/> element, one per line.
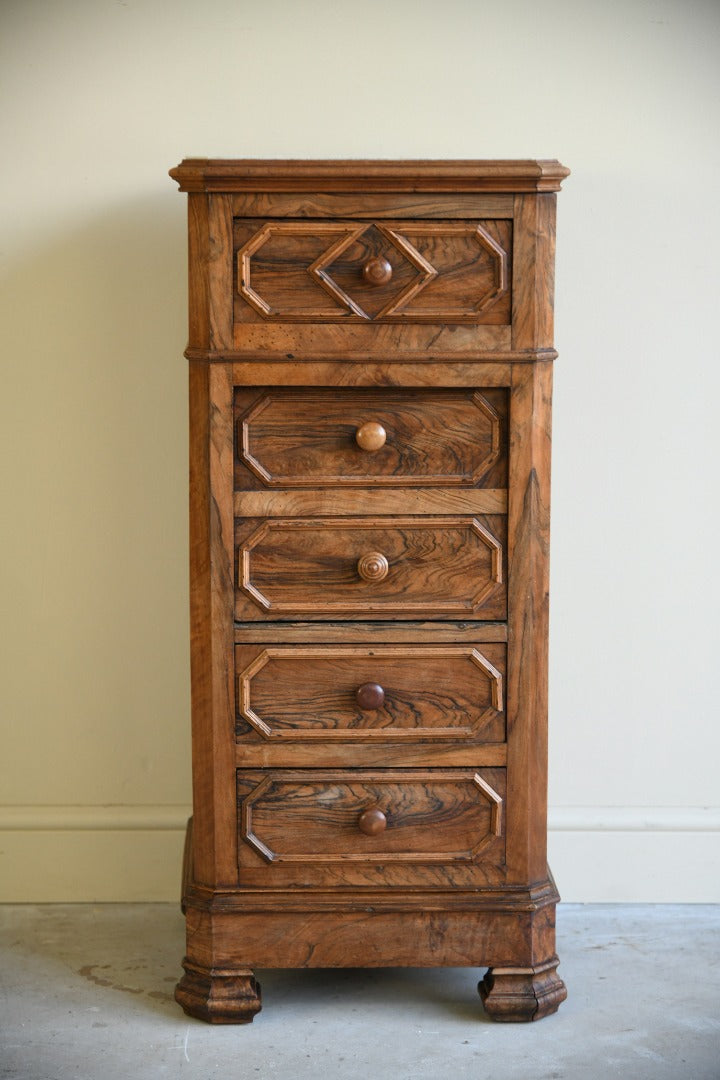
<point x="370" y="696"/>
<point x="370" y="436"/>
<point x="372" y="821"/>
<point x="377" y="271"/>
<point x="373" y="566"/>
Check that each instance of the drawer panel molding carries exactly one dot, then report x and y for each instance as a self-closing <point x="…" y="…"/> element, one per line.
<point x="409" y="438"/>
<point x="437" y="816"/>
<point x="307" y="271"/>
<point x="373" y="566"/>
<point x="315" y="694"/>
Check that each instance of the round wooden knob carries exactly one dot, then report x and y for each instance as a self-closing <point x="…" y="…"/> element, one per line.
<point x="373" y="566"/>
<point x="372" y="821"/>
<point x="370" y="696"/>
<point x="377" y="271"/>
<point x="370" y="436"/>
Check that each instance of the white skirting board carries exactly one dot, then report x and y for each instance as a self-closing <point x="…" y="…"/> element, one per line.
<point x="660" y="855"/>
<point x="65" y="854"/>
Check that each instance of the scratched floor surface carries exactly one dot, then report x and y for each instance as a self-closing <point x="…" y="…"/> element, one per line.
<point x="87" y="994"/>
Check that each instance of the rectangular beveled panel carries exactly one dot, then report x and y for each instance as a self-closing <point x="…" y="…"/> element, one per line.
<point x="331" y="501"/>
<point x="385" y="341"/>
<point x="375" y="568"/>
<point x="312" y="438"/>
<point x="382" y="694"/>
<point x="371" y="205"/>
<point x="369" y="754"/>
<point x="357" y="369"/>
<point x="379" y="271"/>
<point x="303" y="827"/>
<point x="367" y="936"/>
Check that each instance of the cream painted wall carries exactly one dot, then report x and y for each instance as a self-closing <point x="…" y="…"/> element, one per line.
<point x="99" y="99"/>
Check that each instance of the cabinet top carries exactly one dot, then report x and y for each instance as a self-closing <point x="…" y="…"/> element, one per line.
<point x="223" y="175"/>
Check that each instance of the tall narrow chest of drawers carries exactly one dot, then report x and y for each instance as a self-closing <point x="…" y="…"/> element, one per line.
<point x="370" y="383"/>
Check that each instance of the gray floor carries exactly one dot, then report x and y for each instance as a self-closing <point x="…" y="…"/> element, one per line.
<point x="87" y="994"/>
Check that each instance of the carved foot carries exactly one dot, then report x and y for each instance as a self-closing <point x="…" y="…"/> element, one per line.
<point x="218" y="996"/>
<point x="521" y="994"/>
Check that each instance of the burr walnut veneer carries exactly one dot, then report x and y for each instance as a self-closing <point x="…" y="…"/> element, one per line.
<point x="370" y="381"/>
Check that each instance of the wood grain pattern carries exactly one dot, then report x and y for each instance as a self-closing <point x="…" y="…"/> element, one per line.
<point x="219" y="996"/>
<point x="428" y="692"/>
<point x="367" y="176"/>
<point x="424" y="371"/>
<point x="212" y="674"/>
<point x="330" y="340"/>
<point x="528" y="605"/>
<point x="202" y="674"/>
<point x="219" y="247"/>
<point x="316" y="271"/>
<point x="472" y="266"/>
<point x="365" y="754"/>
<point x="361" y="938"/>
<point x="365" y="205"/>
<point x="297" y="566"/>
<point x="409" y="936"/>
<point x="313" y="816"/>
<point x="330" y="502"/>
<point x="522" y="994"/>
<point x="299" y="827"/>
<point x="198" y="283"/>
<point x="326" y="706"/>
<point x="490" y="367"/>
<point x="534" y="290"/>
<point x="537" y="900"/>
<point x="308" y="438"/>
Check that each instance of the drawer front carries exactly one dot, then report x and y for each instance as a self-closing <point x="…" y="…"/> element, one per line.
<point x="382" y="694"/>
<point x="383" y="567"/>
<point x="316" y="438"/>
<point x="351" y="827"/>
<point x="389" y="271"/>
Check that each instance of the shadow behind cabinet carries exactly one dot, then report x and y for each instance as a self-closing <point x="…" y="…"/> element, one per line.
<point x="370" y="384"/>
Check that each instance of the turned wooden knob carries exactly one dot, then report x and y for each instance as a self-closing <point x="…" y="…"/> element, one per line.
<point x="370" y="696"/>
<point x="377" y="271"/>
<point x="373" y="566"/>
<point x="372" y="821"/>
<point x="370" y="436"/>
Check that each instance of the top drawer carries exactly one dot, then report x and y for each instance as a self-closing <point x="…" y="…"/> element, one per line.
<point x="373" y="271"/>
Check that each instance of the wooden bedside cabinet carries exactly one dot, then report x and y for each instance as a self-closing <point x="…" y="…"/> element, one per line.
<point x="370" y="383"/>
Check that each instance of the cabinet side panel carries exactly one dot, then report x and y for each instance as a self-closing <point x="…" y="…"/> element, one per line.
<point x="220" y="271"/>
<point x="528" y="601"/>
<point x="222" y="595"/>
<point x="198" y="310"/>
<point x="200" y="616"/>
<point x="211" y="524"/>
<point x="533" y="272"/>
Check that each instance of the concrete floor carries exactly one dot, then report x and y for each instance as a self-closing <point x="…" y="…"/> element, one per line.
<point x="87" y="994"/>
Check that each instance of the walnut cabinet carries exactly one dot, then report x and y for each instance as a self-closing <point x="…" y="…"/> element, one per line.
<point x="370" y="351"/>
